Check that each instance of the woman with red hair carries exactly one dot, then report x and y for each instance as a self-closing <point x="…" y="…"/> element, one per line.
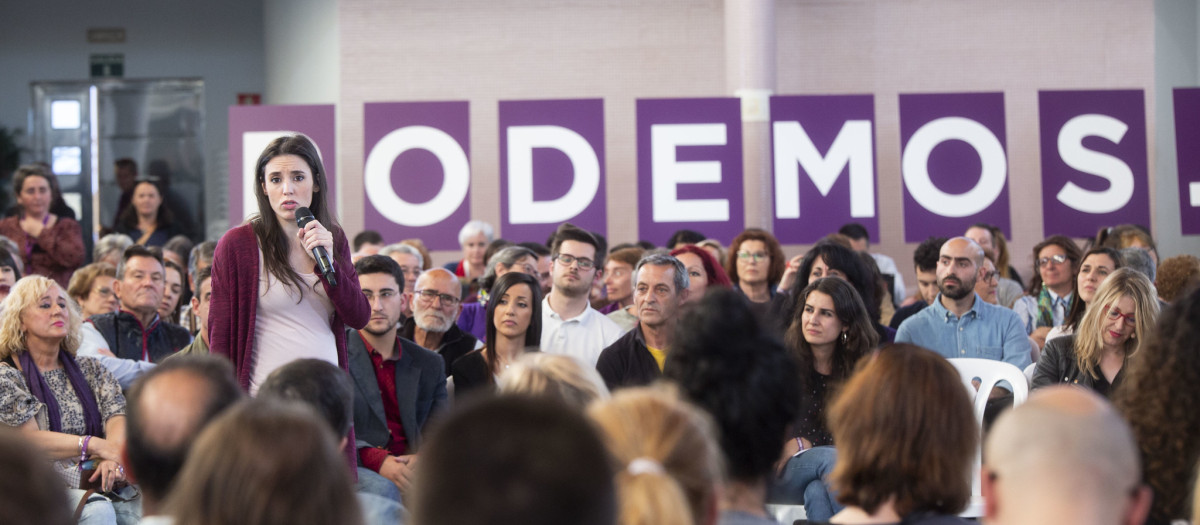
<point x="703" y="270"/>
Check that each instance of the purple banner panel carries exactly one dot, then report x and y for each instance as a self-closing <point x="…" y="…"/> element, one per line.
<point x="954" y="163"/>
<point x="689" y="168"/>
<point x="417" y="172"/>
<point x="551" y="167"/>
<point x="824" y="149"/>
<point x="1187" y="154"/>
<point x="1094" y="171"/>
<point x="252" y="128"/>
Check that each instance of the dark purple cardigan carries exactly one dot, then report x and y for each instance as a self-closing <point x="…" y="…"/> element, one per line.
<point x="235" y="299"/>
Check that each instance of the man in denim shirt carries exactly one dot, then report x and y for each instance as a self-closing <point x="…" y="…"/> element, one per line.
<point x="959" y="323"/>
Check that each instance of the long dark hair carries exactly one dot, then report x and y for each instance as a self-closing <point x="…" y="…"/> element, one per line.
<point x="861" y="336"/>
<point x="533" y="335"/>
<point x="162" y="218"/>
<point x="273" y="242"/>
<point x="844" y="260"/>
<point x="1078" y="307"/>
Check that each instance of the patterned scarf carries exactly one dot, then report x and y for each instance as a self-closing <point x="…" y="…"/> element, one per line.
<point x="41" y="390"/>
<point x="1046" y="308"/>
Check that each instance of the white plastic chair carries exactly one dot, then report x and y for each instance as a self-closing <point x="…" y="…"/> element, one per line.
<point x="989" y="373"/>
<point x="787" y="514"/>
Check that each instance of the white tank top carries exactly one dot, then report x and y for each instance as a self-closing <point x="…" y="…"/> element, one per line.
<point x="285" y="331"/>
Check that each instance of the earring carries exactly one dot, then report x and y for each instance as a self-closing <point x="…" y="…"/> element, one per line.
<point x="844" y="337"/>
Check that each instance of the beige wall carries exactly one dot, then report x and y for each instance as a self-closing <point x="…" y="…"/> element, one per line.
<point x="623" y="50"/>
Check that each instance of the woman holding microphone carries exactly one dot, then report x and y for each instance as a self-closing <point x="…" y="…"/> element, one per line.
<point x="271" y="302"/>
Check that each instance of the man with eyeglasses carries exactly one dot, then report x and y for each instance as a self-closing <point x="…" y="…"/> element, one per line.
<point x="959" y="323"/>
<point x="1065" y="457"/>
<point x="436" y="303"/>
<point x="570" y="326"/>
<point x="660" y="286"/>
<point x="130" y="340"/>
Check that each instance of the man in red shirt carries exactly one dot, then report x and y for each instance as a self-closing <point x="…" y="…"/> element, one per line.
<point x="398" y="384"/>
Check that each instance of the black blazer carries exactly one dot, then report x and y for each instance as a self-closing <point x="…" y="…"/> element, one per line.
<point x="420" y="392"/>
<point x="1057" y="364"/>
<point x="471" y="374"/>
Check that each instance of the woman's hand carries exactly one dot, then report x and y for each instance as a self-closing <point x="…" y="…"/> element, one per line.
<point x="313" y="235"/>
<point x="789" y="273"/>
<point x="34" y="227"/>
<point x="110" y="473"/>
<point x="104" y="449"/>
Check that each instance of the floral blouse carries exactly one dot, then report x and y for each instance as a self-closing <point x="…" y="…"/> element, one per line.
<point x="18" y="405"/>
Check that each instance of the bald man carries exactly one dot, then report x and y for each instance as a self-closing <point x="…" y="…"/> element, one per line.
<point x="167" y="408"/>
<point x="1065" y="457"/>
<point x="436" y="303"/>
<point x="959" y="323"/>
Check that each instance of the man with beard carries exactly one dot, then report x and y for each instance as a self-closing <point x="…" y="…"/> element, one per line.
<point x="959" y="323"/>
<point x="570" y="326"/>
<point x="398" y="384"/>
<point x="436" y="303"/>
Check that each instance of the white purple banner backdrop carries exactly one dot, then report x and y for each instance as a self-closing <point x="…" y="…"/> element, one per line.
<point x="954" y="163"/>
<point x="824" y="165"/>
<point x="1094" y="172"/>
<point x="251" y="128"/>
<point x="551" y="167"/>
<point x="417" y="170"/>
<point x="1187" y="151"/>
<point x="417" y="173"/>
<point x="689" y="167"/>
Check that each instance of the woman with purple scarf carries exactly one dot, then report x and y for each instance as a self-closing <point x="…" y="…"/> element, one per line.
<point x="69" y="407"/>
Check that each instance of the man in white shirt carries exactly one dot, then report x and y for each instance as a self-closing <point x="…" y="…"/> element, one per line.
<point x="570" y="326"/>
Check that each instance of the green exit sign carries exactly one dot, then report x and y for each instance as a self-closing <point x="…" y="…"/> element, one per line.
<point x="107" y="65"/>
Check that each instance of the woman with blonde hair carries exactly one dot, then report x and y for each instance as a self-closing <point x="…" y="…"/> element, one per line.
<point x="70" y="407"/>
<point x="668" y="464"/>
<point x="1119" y="318"/>
<point x="240" y="472"/>
<point x="554" y="376"/>
<point x="91" y="287"/>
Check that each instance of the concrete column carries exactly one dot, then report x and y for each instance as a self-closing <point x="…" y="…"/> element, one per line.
<point x="750" y="75"/>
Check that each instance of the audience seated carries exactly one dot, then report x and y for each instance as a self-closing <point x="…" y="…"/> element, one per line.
<point x="30" y="492"/>
<point x="988" y="282"/>
<point x="991" y="238"/>
<point x="436" y="303"/>
<point x="398" y="384"/>
<point x="1098" y="264"/>
<point x="660" y="284"/>
<point x="906" y="437"/>
<point x="10" y="272"/>
<point x="860" y="241"/>
<point x="50" y="244"/>
<point x="618" y="286"/>
<point x="1124" y="236"/>
<point x="367" y="242"/>
<point x="1162" y="405"/>
<point x="755" y="267"/>
<point x="110" y="248"/>
<point x="1176" y="276"/>
<point x="683" y="238"/>
<point x="200" y="306"/>
<point x="167" y="408"/>
<point x="744" y="378"/>
<point x="553" y="376"/>
<point x="1140" y="260"/>
<point x="412" y="262"/>
<point x="829" y="259"/>
<point x="135" y="335"/>
<point x="147" y="220"/>
<point x="1048" y="299"/>
<point x="472" y="319"/>
<point x="543" y="265"/>
<point x="570" y="326"/>
<point x="474" y="238"/>
<point x="513" y="459"/>
<point x="703" y="269"/>
<point x="514" y="326"/>
<point x="1064" y="457"/>
<point x="92" y="288"/>
<point x="925" y="259"/>
<point x="265" y="462"/>
<point x="1116" y="325"/>
<point x="325" y="389"/>
<point x="668" y="464"/>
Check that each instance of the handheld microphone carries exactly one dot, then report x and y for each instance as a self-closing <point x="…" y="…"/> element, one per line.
<point x="303" y="217"/>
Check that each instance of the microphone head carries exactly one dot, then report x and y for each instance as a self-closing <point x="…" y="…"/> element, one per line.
<point x="304" y="216"/>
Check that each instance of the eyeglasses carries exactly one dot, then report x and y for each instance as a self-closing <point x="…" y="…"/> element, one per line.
<point x="429" y="295"/>
<point x="756" y="256"/>
<point x="567" y="260"/>
<point x="1114" y="314"/>
<point x="989" y="276"/>
<point x="1058" y="259"/>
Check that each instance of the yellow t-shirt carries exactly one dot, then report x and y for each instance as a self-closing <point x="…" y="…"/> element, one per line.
<point x="660" y="356"/>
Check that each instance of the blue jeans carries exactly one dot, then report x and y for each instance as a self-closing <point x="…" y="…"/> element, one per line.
<point x="805" y="481"/>
<point x="370" y="482"/>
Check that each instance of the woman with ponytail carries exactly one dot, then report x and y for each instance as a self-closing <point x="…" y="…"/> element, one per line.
<point x="668" y="466"/>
